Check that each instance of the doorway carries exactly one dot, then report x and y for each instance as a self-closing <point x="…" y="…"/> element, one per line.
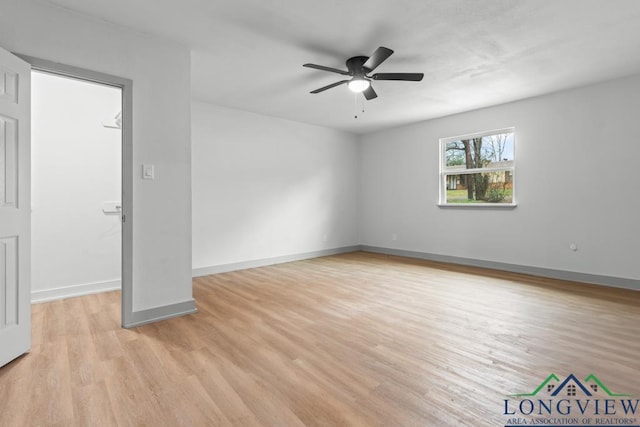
<point x="76" y="159"/>
<point x="120" y="208"/>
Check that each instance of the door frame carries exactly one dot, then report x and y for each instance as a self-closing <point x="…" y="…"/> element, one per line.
<point x="126" y="85"/>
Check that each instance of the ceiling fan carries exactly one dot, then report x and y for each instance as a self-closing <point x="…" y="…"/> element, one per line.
<point x="360" y="67"/>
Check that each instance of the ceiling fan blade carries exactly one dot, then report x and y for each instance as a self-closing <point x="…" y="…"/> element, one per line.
<point x="322" y="89"/>
<point x="323" y="68"/>
<point x="378" y="57"/>
<point x="369" y="93"/>
<point x="410" y="77"/>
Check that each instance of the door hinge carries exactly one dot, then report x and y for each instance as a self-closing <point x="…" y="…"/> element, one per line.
<point x="124" y="218"/>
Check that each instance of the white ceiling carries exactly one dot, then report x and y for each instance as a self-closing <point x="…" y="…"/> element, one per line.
<point x="248" y="54"/>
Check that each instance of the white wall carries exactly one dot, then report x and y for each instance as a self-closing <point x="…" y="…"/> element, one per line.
<point x="577" y="181"/>
<point x="161" y="131"/>
<point x="265" y="187"/>
<point x="75" y="167"/>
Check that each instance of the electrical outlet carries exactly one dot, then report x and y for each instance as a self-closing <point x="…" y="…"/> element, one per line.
<point x="148" y="172"/>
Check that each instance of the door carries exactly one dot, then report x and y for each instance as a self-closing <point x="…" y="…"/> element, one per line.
<point x="15" y="207"/>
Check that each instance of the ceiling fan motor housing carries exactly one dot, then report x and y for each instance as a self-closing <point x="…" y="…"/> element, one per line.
<point x="355" y="66"/>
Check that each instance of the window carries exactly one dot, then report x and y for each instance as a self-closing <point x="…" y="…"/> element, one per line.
<point x="571" y="390"/>
<point x="478" y="169"/>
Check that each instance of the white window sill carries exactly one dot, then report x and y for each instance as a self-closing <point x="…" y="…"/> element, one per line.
<point x="478" y="205"/>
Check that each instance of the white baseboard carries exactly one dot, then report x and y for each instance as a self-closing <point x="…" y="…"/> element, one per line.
<point x="157" y="314"/>
<point x="224" y="268"/>
<point x="74" y="291"/>
<point x="618" y="282"/>
<point x="573" y="276"/>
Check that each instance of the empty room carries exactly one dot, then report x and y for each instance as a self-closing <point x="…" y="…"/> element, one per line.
<point x="296" y="213"/>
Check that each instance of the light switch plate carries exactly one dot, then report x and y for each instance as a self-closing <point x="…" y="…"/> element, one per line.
<point x="148" y="172"/>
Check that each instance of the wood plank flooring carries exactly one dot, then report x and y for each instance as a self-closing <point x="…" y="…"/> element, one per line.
<point x="349" y="340"/>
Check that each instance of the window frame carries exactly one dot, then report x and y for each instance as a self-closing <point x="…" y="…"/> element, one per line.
<point x="444" y="172"/>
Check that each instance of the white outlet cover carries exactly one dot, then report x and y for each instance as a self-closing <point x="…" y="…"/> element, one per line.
<point x="148" y="172"/>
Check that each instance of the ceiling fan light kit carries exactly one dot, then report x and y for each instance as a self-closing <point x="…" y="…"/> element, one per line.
<point x="358" y="85"/>
<point x="359" y="68"/>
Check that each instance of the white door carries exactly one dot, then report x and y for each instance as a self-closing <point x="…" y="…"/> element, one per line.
<point x="15" y="207"/>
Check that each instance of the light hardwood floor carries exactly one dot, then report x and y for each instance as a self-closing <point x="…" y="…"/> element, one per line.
<point x="355" y="339"/>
